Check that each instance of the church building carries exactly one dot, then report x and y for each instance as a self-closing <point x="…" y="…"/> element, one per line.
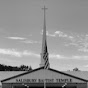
<point x="44" y="76"/>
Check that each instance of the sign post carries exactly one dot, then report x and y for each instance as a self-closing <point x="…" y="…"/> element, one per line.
<point x="44" y="84"/>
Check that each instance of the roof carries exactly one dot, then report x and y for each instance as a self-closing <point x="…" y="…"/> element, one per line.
<point x="74" y="75"/>
<point x="7" y="74"/>
<point x="80" y="74"/>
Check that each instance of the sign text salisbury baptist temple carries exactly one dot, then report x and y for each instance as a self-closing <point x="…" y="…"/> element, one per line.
<point x="42" y="80"/>
<point x="44" y="76"/>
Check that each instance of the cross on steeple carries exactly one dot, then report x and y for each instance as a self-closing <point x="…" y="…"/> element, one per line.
<point x="44" y="8"/>
<point x="44" y="17"/>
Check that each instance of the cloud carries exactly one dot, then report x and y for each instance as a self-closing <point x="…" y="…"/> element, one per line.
<point x="74" y="44"/>
<point x="56" y="56"/>
<point x="28" y="53"/>
<point x="57" y="34"/>
<point x="86" y="66"/>
<point x="60" y="34"/>
<point x="31" y="41"/>
<point x="77" y="57"/>
<point x="83" y="44"/>
<point x="16" y="53"/>
<point x="13" y="52"/>
<point x="80" y="57"/>
<point x="83" y="49"/>
<point x="50" y="35"/>
<point x="24" y="40"/>
<point x="80" y="41"/>
<point x="16" y="38"/>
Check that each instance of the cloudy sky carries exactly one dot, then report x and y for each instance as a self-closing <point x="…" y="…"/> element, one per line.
<point x="21" y="23"/>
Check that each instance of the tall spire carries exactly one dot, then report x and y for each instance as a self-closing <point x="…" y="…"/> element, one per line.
<point x="44" y="54"/>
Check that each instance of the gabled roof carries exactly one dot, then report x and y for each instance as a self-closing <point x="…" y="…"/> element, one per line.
<point x="80" y="74"/>
<point x="8" y="74"/>
<point x="60" y="72"/>
<point x="73" y="76"/>
<point x="22" y="74"/>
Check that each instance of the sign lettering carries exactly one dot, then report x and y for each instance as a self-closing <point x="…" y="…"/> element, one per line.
<point x="42" y="80"/>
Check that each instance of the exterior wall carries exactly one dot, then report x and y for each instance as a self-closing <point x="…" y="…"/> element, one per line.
<point x="7" y="85"/>
<point x="81" y="85"/>
<point x="11" y="85"/>
<point x="87" y="84"/>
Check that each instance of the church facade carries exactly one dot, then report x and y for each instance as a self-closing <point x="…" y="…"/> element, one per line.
<point x="44" y="76"/>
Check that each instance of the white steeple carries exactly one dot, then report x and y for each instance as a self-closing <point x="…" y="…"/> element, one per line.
<point x="44" y="54"/>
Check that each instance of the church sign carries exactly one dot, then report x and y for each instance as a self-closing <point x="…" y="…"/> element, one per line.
<point x="42" y="80"/>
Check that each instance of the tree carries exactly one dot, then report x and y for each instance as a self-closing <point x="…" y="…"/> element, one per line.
<point x="76" y="69"/>
<point x="15" y="68"/>
<point x="25" y="68"/>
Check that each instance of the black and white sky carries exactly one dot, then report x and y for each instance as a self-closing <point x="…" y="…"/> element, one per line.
<point x="21" y="24"/>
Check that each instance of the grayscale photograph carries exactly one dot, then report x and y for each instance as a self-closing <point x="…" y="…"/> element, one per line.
<point x="43" y="43"/>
